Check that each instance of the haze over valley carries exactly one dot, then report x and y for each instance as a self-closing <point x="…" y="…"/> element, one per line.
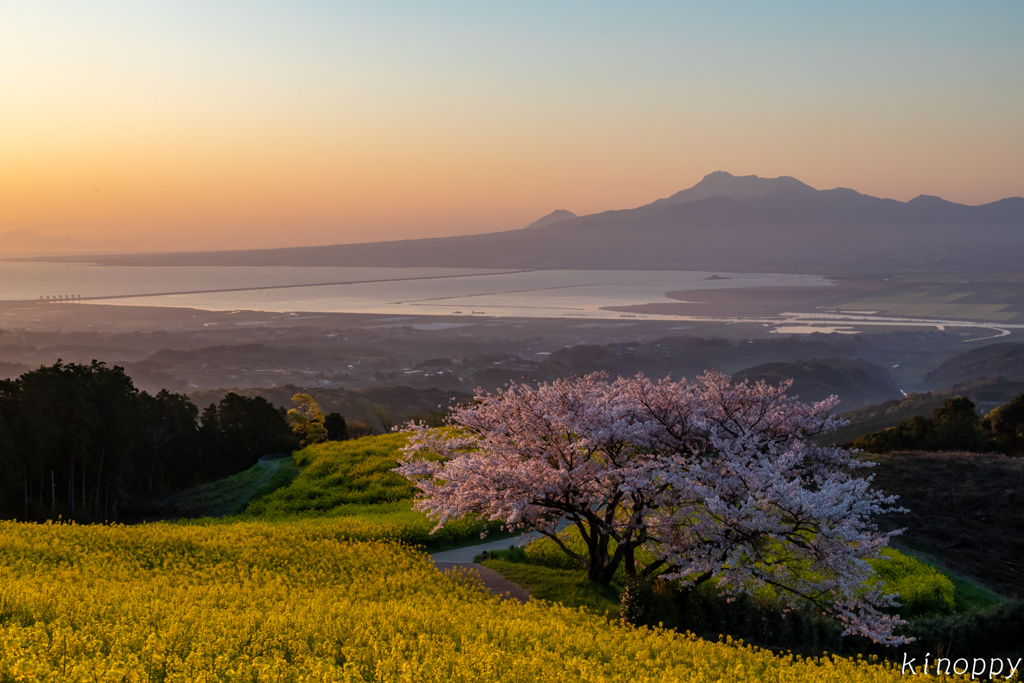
<point x="847" y="264"/>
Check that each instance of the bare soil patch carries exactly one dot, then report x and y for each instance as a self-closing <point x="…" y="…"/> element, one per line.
<point x="966" y="509"/>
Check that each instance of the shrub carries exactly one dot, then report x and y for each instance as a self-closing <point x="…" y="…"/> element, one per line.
<point x="758" y="620"/>
<point x="922" y="589"/>
<point x="994" y="631"/>
<point x="1007" y="425"/>
<point x="638" y="604"/>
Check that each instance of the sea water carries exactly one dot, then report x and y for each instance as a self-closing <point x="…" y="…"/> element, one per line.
<point x="408" y="291"/>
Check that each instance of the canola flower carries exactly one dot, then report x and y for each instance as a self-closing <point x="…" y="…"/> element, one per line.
<point x="258" y="601"/>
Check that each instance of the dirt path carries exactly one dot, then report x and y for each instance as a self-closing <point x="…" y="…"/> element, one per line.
<point x="461" y="560"/>
<point x="466" y="554"/>
<point x="493" y="581"/>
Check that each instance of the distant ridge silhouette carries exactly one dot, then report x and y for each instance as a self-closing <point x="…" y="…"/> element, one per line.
<point x="722" y="184"/>
<point x="723" y="223"/>
<point x="556" y="216"/>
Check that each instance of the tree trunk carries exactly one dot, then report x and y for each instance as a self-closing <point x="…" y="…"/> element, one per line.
<point x="602" y="566"/>
<point x="601" y="574"/>
<point x="687" y="593"/>
<point x="99" y="477"/>
<point x="629" y="559"/>
<point x="596" y="571"/>
<point x="599" y="569"/>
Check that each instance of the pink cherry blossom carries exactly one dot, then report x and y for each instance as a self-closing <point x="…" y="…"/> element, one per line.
<point x="718" y="481"/>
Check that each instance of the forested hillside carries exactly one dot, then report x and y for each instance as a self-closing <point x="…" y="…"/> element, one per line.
<point x="81" y="442"/>
<point x="856" y="382"/>
<point x="986" y="394"/>
<point x="367" y="411"/>
<point x="994" y="360"/>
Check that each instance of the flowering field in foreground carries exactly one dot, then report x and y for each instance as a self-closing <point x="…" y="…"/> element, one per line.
<point x="255" y="601"/>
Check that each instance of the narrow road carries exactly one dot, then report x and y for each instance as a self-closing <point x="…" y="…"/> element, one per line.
<point x="461" y="560"/>
<point x="466" y="554"/>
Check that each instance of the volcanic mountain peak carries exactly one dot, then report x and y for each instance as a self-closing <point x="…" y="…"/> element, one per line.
<point x="556" y="216"/>
<point x="723" y="223"/>
<point x="723" y="184"/>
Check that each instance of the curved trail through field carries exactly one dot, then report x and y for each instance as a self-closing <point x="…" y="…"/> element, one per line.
<point x="460" y="560"/>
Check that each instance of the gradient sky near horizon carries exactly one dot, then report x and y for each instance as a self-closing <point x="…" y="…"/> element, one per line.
<point x="193" y="125"/>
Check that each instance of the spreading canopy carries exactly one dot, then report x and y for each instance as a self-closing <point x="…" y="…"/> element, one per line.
<point x="718" y="481"/>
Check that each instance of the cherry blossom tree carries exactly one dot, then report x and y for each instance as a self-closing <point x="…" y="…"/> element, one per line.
<point x="717" y="481"/>
<point x="750" y="501"/>
<point x="531" y="457"/>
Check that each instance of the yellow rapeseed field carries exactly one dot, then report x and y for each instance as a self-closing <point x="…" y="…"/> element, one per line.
<point x="256" y="601"/>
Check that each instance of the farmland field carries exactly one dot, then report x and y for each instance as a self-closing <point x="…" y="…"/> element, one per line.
<point x="259" y="601"/>
<point x="324" y="579"/>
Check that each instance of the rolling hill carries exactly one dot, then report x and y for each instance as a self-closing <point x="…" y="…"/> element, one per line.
<point x="856" y="382"/>
<point x="1000" y="360"/>
<point x="986" y="393"/>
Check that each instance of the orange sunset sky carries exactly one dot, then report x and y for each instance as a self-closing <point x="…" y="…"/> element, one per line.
<point x="190" y="125"/>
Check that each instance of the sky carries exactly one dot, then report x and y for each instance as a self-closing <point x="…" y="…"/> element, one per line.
<point x="191" y="125"/>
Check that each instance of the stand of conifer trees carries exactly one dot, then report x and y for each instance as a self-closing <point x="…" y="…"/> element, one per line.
<point x="81" y="442"/>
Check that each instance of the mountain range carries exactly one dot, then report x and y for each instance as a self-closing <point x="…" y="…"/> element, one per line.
<point x="723" y="223"/>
